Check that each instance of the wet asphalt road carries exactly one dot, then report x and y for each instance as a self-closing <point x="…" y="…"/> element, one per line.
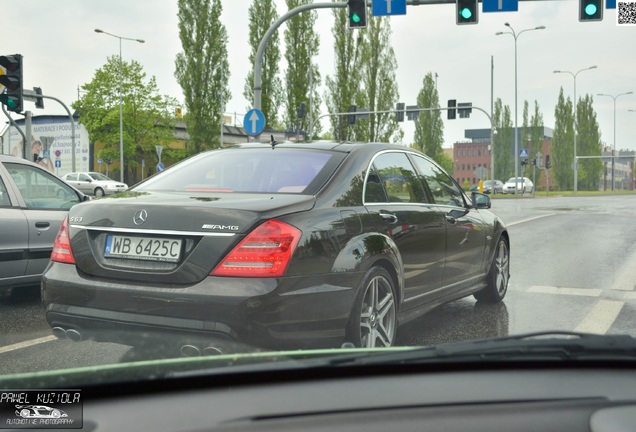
<point x="573" y="267"/>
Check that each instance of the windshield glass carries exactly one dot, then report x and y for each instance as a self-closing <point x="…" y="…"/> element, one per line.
<point x="442" y="173"/>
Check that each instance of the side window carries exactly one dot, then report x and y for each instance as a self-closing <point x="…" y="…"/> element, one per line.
<point x="4" y="195"/>
<point x="373" y="189"/>
<point x="84" y="178"/>
<point x="71" y="177"/>
<point x="441" y="186"/>
<point x="40" y="189"/>
<point x="399" y="178"/>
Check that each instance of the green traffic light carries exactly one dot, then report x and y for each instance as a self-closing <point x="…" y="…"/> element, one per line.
<point x="466" y="13"/>
<point x="8" y="101"/>
<point x="355" y="18"/>
<point x="590" y="9"/>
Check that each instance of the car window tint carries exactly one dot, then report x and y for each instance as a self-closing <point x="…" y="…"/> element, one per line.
<point x="373" y="190"/>
<point x="399" y="178"/>
<point x="40" y="189"/>
<point x="245" y="170"/>
<point x="71" y="177"/>
<point x="441" y="186"/>
<point x="4" y="195"/>
<point x="84" y="177"/>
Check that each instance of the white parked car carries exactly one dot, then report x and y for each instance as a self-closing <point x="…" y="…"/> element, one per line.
<point x="521" y="184"/>
<point x="94" y="183"/>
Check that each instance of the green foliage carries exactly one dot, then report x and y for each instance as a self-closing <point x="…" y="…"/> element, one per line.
<point x="262" y="15"/>
<point x="562" y="156"/>
<point x="148" y="118"/>
<point x="588" y="142"/>
<point x="344" y="86"/>
<point x="379" y="84"/>
<point x="429" y="128"/>
<point x="202" y="70"/>
<point x="301" y="47"/>
<point x="504" y="141"/>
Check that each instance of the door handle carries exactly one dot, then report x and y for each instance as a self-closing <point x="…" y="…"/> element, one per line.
<point x="42" y="224"/>
<point x="388" y="217"/>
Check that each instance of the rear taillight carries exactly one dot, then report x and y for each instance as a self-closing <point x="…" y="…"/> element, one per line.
<point x="62" y="251"/>
<point x="265" y="252"/>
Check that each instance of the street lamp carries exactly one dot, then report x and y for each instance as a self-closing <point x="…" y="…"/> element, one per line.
<point x="121" y="116"/>
<point x="516" y="36"/>
<point x="614" y="150"/>
<point x="576" y="166"/>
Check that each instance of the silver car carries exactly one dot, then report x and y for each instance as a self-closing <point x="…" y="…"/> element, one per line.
<point x="33" y="204"/>
<point x="519" y="184"/>
<point x="94" y="183"/>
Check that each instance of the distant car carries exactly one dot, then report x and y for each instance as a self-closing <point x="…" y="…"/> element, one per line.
<point x="94" y="183"/>
<point x="488" y="187"/>
<point x="38" y="411"/>
<point x="33" y="204"/>
<point x="520" y="184"/>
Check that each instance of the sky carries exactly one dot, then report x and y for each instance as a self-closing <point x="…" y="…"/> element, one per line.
<point x="62" y="52"/>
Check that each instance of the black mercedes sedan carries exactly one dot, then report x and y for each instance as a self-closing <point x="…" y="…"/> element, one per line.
<point x="292" y="245"/>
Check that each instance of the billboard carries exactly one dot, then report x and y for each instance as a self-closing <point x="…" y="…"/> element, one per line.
<point x="51" y="144"/>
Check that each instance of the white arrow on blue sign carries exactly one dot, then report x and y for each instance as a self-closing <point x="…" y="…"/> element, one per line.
<point x="160" y="167"/>
<point x="254" y="122"/>
<point x="500" y="5"/>
<point x="388" y="7"/>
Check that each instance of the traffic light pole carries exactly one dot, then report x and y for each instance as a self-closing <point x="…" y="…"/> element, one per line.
<point x="14" y="124"/>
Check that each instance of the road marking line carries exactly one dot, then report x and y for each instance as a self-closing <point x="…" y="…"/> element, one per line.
<point x="601" y="317"/>
<point x="26" y="344"/>
<point x="531" y="219"/>
<point x="630" y="295"/>
<point x="565" y="291"/>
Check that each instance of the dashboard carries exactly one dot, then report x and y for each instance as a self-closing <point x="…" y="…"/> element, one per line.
<point x="510" y="399"/>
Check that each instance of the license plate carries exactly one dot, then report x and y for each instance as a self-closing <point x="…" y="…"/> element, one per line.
<point x="143" y="248"/>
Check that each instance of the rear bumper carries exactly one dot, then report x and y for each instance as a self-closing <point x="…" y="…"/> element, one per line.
<point x="296" y="312"/>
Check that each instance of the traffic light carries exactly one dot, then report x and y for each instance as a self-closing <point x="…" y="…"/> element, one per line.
<point x="548" y="164"/>
<point x="351" y="118"/>
<point x="357" y="13"/>
<point x="467" y="11"/>
<point x="12" y="80"/>
<point x="399" y="114"/>
<point x="590" y="10"/>
<point x="302" y="108"/>
<point x="39" y="102"/>
<point x="452" y="113"/>
<point x="524" y="162"/>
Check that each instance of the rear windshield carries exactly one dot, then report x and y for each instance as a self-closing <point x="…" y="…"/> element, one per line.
<point x="296" y="171"/>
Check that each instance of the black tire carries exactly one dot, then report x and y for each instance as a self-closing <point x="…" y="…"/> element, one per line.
<point x="99" y="192"/>
<point x="373" y="321"/>
<point x="498" y="275"/>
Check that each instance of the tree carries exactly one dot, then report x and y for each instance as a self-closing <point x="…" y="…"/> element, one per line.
<point x="588" y="142"/>
<point x="202" y="70"/>
<point x="148" y="117"/>
<point x="563" y="144"/>
<point x="262" y="15"/>
<point x="504" y="141"/>
<point x="378" y="66"/>
<point x="345" y="85"/>
<point x="429" y="128"/>
<point x="302" y="76"/>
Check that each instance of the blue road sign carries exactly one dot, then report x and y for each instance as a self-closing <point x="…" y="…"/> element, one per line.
<point x="58" y="163"/>
<point x="523" y="153"/>
<point x="100" y="161"/>
<point x="160" y="167"/>
<point x="500" y="5"/>
<point x="388" y="7"/>
<point x="254" y="122"/>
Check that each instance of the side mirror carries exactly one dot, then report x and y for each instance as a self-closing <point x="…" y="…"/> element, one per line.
<point x="481" y="201"/>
